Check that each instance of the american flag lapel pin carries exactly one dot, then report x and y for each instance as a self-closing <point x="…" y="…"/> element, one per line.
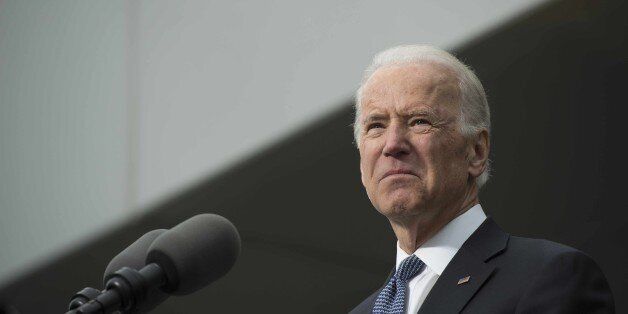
<point x="463" y="280"/>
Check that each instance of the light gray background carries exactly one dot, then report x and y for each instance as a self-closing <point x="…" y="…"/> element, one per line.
<point x="108" y="107"/>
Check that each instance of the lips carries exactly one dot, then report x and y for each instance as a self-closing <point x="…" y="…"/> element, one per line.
<point x="398" y="171"/>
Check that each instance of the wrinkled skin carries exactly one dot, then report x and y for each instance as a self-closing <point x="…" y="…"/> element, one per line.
<point x="416" y="166"/>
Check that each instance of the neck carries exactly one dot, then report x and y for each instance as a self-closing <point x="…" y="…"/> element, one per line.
<point x="413" y="231"/>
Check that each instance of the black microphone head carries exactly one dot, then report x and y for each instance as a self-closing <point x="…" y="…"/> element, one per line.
<point x="134" y="256"/>
<point x="195" y="252"/>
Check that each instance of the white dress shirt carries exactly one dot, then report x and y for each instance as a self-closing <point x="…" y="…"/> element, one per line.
<point x="437" y="252"/>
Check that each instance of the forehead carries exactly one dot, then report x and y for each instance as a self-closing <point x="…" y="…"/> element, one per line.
<point x="405" y="87"/>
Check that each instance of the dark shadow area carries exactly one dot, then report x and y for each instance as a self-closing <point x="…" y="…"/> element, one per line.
<point x="557" y="91"/>
<point x="311" y="240"/>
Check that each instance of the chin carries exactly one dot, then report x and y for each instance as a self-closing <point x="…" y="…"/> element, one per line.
<point x="398" y="200"/>
<point x="400" y="206"/>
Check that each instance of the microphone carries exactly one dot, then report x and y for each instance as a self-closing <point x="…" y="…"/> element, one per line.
<point x="195" y="253"/>
<point x="134" y="256"/>
<point x="179" y="261"/>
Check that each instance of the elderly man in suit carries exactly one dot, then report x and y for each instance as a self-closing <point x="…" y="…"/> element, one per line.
<point x="422" y="127"/>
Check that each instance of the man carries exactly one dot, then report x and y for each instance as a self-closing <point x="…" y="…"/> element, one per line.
<point x="422" y="128"/>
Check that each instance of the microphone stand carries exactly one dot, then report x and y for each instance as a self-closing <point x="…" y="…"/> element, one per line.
<point x="124" y="291"/>
<point x="83" y="297"/>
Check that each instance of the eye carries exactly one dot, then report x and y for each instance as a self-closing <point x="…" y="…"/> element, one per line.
<point x="375" y="125"/>
<point x="419" y="122"/>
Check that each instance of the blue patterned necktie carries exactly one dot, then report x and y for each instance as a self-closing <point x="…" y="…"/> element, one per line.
<point x="392" y="299"/>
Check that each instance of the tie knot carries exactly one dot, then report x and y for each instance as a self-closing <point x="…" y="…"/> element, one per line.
<point x="409" y="268"/>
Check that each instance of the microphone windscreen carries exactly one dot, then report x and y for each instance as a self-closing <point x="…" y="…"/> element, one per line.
<point x="195" y="252"/>
<point x="134" y="256"/>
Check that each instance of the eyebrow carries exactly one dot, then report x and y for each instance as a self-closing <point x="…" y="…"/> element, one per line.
<point x="374" y="117"/>
<point x="425" y="111"/>
<point x="410" y="113"/>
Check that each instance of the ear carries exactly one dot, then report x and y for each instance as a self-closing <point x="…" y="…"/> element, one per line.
<point x="479" y="147"/>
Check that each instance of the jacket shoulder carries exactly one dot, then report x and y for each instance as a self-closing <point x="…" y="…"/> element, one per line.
<point x="558" y="272"/>
<point x="537" y="256"/>
<point x="539" y="248"/>
<point x="366" y="306"/>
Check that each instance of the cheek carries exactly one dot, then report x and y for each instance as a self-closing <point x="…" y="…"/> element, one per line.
<point x="435" y="160"/>
<point x="368" y="158"/>
<point x="366" y="175"/>
<point x="371" y="186"/>
<point x="367" y="167"/>
<point x="451" y="162"/>
<point x="364" y="167"/>
<point x="423" y="158"/>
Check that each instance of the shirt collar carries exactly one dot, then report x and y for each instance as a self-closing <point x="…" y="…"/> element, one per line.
<point x="438" y="251"/>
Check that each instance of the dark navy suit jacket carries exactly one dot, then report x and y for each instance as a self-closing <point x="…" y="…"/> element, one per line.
<point x="510" y="274"/>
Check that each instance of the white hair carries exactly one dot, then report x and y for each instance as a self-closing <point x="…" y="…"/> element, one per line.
<point x="474" y="111"/>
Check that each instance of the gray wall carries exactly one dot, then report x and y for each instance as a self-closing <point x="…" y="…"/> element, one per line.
<point x="108" y="108"/>
<point x="220" y="80"/>
<point x="63" y="126"/>
<point x="555" y="79"/>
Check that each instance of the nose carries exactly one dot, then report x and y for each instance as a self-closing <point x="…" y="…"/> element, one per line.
<point x="396" y="142"/>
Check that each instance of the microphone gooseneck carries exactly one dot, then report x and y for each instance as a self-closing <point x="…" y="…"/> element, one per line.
<point x="178" y="261"/>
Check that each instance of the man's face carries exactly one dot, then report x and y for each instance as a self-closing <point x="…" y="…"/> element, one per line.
<point x="412" y="154"/>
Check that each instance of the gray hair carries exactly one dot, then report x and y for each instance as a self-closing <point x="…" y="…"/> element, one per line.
<point x="474" y="111"/>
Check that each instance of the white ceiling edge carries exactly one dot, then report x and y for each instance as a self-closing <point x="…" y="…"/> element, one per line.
<point x="219" y="81"/>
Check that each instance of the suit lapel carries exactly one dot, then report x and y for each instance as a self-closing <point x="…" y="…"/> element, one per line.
<point x="366" y="307"/>
<point x="447" y="295"/>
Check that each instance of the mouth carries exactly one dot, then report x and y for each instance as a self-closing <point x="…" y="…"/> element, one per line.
<point x="398" y="172"/>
